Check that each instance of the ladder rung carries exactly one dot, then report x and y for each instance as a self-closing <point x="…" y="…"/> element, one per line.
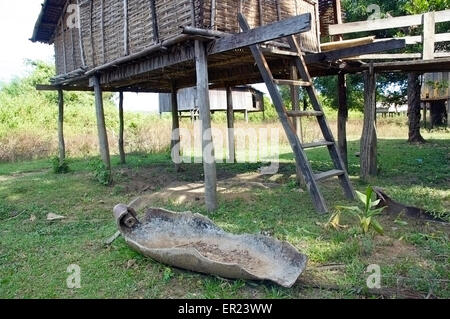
<point x="304" y="113"/>
<point x="317" y="144"/>
<point x="280" y="52"/>
<point x="329" y="174"/>
<point x="292" y="82"/>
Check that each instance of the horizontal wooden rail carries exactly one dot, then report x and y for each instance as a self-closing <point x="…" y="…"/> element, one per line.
<point x="383" y="24"/>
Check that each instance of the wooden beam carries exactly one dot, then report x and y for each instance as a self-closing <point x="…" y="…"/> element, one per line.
<point x="154" y="21"/>
<point x="429" y="30"/>
<point x="175" y="143"/>
<point x="230" y="126"/>
<point x="61" y="143"/>
<point x="436" y="65"/>
<point x="383" y="24"/>
<point x="335" y="55"/>
<point x="101" y="126"/>
<point x="368" y="155"/>
<point x="209" y="163"/>
<point x="294" y="25"/>
<point x="415" y="39"/>
<point x="121" y="130"/>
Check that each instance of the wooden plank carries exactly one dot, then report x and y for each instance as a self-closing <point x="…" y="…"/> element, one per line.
<point x="102" y="29"/>
<point x="213" y="14"/>
<point x="61" y="143"/>
<point x="410" y="40"/>
<point x="383" y="24"/>
<point x="101" y="126"/>
<point x="335" y="55"/>
<point x="330" y="174"/>
<point x="209" y="163"/>
<point x="301" y="159"/>
<point x="304" y="113"/>
<point x="292" y="82"/>
<point x="316" y="144"/>
<point x="121" y="130"/>
<point x="436" y="65"/>
<point x="230" y="125"/>
<point x="80" y="36"/>
<point x="368" y="157"/>
<point x="294" y="25"/>
<point x="429" y="30"/>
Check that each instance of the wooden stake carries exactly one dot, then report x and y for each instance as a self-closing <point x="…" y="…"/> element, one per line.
<point x="230" y="125"/>
<point x="175" y="125"/>
<point x="342" y="118"/>
<point x="369" y="137"/>
<point x="62" y="146"/>
<point x="101" y="126"/>
<point x="209" y="164"/>
<point x="121" y="130"/>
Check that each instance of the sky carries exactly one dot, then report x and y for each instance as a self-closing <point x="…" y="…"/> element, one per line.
<point x="17" y="19"/>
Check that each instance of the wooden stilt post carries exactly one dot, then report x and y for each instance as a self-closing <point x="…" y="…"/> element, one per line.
<point x="175" y="144"/>
<point x="101" y="126"/>
<point x="369" y="137"/>
<point x="246" y="115"/>
<point x="425" y="107"/>
<point x="121" y="130"/>
<point x="342" y="118"/>
<point x="448" y="112"/>
<point x="230" y="125"/>
<point x="61" y="143"/>
<point x="296" y="103"/>
<point x="209" y="163"/>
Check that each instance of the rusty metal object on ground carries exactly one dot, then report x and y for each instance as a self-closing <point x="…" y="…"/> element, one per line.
<point x="194" y="242"/>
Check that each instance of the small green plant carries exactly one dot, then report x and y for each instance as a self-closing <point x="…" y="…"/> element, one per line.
<point x="168" y="274"/>
<point x="58" y="167"/>
<point x="367" y="215"/>
<point x="101" y="173"/>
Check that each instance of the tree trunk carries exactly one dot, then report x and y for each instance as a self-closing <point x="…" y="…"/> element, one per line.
<point x="342" y="118"/>
<point x="121" y="130"/>
<point x="369" y="137"/>
<point x="414" y="108"/>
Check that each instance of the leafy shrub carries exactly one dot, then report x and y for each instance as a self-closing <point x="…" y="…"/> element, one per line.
<point x="101" y="173"/>
<point x="58" y="167"/>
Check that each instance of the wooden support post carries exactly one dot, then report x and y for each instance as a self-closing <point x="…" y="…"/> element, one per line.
<point x="246" y="116"/>
<point x="429" y="35"/>
<point x="448" y="112"/>
<point x="230" y="125"/>
<point x="342" y="118"/>
<point x="425" y="110"/>
<point x="175" y="144"/>
<point x="121" y="130"/>
<point x="209" y="163"/>
<point x="296" y="103"/>
<point x="61" y="143"/>
<point x="369" y="137"/>
<point x="297" y="124"/>
<point x="101" y="126"/>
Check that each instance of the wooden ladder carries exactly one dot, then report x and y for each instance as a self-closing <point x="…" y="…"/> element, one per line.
<point x="303" y="165"/>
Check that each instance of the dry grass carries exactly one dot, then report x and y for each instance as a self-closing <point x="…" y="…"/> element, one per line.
<point x="151" y="138"/>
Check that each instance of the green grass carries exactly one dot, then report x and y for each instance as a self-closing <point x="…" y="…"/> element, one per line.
<point x="34" y="255"/>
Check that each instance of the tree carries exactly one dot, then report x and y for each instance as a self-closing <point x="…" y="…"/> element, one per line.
<point x="414" y="108"/>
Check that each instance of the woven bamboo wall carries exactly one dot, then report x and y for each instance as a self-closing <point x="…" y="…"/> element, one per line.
<point x="67" y="48"/>
<point x="107" y="24"/>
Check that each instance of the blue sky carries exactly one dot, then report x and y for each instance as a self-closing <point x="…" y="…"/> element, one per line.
<point x="17" y="20"/>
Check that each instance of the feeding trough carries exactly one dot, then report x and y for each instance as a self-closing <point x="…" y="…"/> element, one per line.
<point x="194" y="242"/>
